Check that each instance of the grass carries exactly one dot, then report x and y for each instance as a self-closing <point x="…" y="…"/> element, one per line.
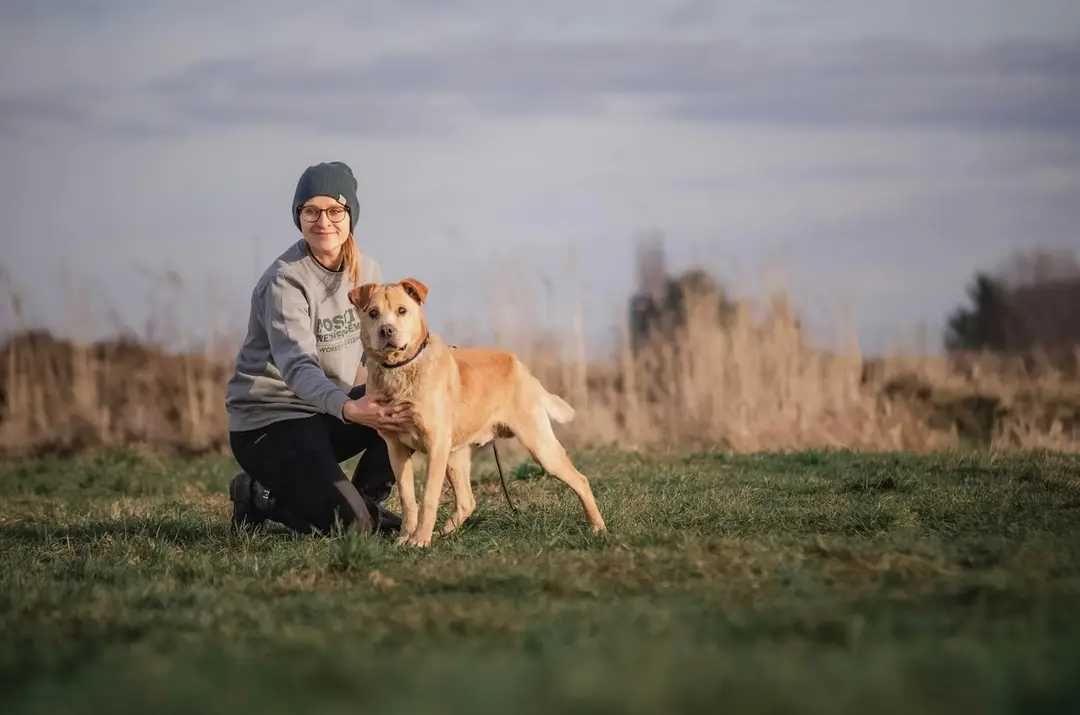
<point x="812" y="581"/>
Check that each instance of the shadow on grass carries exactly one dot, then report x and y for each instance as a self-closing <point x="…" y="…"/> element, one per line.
<point x="180" y="531"/>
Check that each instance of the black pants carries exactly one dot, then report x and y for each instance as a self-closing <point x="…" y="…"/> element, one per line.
<point x="298" y="460"/>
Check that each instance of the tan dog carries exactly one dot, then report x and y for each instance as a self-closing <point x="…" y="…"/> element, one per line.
<point x="462" y="398"/>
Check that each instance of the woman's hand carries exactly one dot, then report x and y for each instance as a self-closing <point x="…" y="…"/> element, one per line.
<point x="385" y="417"/>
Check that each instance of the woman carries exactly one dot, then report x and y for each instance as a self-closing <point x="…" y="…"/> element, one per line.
<point x="293" y="413"/>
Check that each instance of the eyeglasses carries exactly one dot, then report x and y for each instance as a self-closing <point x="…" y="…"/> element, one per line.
<point x="310" y="214"/>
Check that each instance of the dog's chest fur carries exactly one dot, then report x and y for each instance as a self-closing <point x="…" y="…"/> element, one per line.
<point x="400" y="384"/>
<point x="408" y="383"/>
<point x="416" y="383"/>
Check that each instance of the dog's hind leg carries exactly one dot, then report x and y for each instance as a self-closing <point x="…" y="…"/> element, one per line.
<point x="458" y="470"/>
<point x="537" y="436"/>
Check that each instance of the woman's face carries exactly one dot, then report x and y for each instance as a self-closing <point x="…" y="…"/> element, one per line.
<point x="327" y="230"/>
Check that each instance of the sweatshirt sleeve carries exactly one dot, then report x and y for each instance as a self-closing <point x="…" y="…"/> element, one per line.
<point x="287" y="319"/>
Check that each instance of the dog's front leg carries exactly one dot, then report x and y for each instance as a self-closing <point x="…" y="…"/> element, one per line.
<point x="438" y="454"/>
<point x="402" y="464"/>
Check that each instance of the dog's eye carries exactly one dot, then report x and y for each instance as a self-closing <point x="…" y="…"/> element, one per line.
<point x="401" y="310"/>
<point x="373" y="313"/>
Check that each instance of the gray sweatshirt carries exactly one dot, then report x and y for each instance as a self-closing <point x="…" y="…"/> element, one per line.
<point x="303" y="343"/>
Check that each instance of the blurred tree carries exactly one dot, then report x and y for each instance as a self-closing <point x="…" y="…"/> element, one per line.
<point x="982" y="326"/>
<point x="1030" y="302"/>
<point x="1038" y="267"/>
<point x="662" y="312"/>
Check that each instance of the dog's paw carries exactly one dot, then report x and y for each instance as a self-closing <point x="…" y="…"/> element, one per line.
<point x="418" y="540"/>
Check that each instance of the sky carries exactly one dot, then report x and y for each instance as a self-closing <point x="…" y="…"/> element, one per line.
<point x="866" y="157"/>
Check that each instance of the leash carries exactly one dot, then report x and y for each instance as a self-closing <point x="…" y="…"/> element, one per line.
<point x="502" y="479"/>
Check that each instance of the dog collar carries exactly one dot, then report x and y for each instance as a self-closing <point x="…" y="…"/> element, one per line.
<point x="391" y="366"/>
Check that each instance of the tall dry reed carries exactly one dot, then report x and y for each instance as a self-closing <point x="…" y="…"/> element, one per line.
<point x="750" y="382"/>
<point x="58" y="396"/>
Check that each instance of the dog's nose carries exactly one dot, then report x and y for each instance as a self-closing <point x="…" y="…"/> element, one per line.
<point x="386" y="331"/>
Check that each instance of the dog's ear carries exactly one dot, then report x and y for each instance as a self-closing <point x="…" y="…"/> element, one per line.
<point x="361" y="295"/>
<point x="416" y="289"/>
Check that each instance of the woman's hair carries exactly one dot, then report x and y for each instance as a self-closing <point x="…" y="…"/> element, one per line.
<point x="350" y="259"/>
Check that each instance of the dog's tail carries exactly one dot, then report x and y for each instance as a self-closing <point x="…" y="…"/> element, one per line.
<point x="557" y="408"/>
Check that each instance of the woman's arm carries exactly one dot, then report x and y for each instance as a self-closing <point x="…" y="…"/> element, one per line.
<point x="287" y="318"/>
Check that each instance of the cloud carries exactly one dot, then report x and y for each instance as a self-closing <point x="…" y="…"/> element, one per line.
<point x="1019" y="85"/>
<point x="1016" y="85"/>
<point x="17" y="111"/>
<point x="487" y="71"/>
<point x="889" y="82"/>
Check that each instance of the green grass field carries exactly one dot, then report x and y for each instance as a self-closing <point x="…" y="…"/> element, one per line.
<point x="822" y="582"/>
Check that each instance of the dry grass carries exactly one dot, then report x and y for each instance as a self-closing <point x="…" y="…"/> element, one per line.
<point x="753" y="383"/>
<point x="756" y="383"/>
<point x="58" y="396"/>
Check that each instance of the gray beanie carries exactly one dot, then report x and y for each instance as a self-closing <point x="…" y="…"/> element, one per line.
<point x="334" y="179"/>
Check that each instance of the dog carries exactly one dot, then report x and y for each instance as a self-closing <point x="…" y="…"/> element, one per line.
<point x="462" y="398"/>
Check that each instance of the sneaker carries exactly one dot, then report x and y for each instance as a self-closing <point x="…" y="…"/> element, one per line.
<point x="385" y="521"/>
<point x="252" y="502"/>
<point x="388" y="521"/>
<point x="376" y="493"/>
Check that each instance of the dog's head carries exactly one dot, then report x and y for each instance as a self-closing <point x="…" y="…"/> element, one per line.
<point x="392" y="323"/>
